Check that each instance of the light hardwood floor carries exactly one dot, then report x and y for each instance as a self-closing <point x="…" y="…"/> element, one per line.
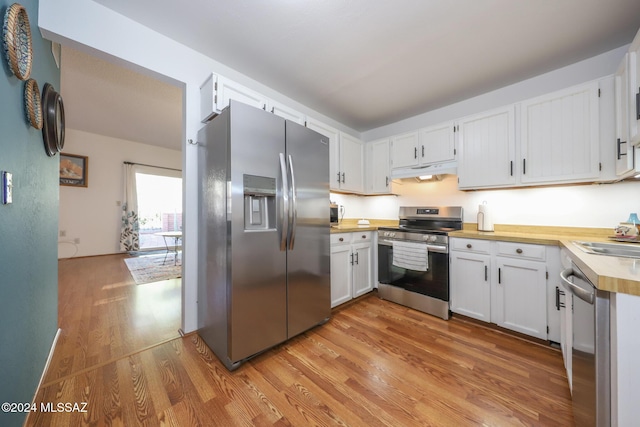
<point x="374" y="363"/>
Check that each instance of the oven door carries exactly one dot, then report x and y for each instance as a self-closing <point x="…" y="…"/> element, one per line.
<point x="434" y="282"/>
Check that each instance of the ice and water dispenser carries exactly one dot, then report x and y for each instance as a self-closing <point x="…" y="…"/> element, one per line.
<point x="259" y="203"/>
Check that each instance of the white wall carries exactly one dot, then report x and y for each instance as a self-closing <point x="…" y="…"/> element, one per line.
<point x="597" y="205"/>
<point x="91" y="214"/>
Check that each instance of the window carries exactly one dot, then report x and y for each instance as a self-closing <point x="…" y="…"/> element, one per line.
<point x="159" y="206"/>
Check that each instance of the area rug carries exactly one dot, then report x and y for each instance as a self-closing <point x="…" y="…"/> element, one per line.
<point x="154" y="268"/>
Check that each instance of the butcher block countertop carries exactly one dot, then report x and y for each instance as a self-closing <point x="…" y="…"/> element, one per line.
<point x="608" y="273"/>
<point x="349" y="225"/>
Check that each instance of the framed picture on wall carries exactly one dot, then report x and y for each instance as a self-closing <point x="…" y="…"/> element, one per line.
<point x="74" y="170"/>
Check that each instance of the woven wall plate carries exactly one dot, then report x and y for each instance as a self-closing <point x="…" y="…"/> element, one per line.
<point x="33" y="104"/>
<point x="16" y="41"/>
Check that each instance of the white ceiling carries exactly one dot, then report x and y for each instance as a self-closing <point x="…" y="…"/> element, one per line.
<point x="366" y="63"/>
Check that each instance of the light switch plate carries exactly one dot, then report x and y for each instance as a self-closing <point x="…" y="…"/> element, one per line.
<point x="7" y="188"/>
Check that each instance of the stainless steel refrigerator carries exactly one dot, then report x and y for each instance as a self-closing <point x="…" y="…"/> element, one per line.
<point x="264" y="238"/>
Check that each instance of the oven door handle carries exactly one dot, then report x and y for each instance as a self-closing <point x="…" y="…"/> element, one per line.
<point x="431" y="248"/>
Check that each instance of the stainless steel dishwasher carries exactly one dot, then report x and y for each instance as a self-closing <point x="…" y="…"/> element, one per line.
<point x="590" y="358"/>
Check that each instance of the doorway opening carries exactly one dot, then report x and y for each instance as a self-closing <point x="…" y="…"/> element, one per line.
<point x="159" y="208"/>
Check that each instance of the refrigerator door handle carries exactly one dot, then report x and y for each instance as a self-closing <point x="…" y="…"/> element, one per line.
<point x="285" y="204"/>
<point x="293" y="210"/>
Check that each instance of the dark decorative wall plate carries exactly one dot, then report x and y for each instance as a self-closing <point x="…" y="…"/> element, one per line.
<point x="53" y="120"/>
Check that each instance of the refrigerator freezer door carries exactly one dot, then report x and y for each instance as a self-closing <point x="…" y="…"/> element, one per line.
<point x="308" y="262"/>
<point x="257" y="283"/>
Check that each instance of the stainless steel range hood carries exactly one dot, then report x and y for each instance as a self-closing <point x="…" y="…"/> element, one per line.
<point x="450" y="168"/>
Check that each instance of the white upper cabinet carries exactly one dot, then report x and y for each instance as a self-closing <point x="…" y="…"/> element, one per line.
<point x="623" y="149"/>
<point x="334" y="152"/>
<point x="286" y="112"/>
<point x="418" y="150"/>
<point x="437" y="143"/>
<point x="487" y="149"/>
<point x="378" y="167"/>
<point x="351" y="164"/>
<point x="634" y="91"/>
<point x="404" y="150"/>
<point x="208" y="98"/>
<point x="346" y="158"/>
<point x="217" y="91"/>
<point x="228" y="90"/>
<point x="559" y="136"/>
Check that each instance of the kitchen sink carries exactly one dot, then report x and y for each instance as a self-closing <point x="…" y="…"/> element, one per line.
<point x="628" y="250"/>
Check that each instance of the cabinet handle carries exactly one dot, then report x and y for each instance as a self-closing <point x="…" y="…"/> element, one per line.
<point x="638" y="104"/>
<point x="518" y="251"/>
<point x="338" y="177"/>
<point x="351" y="256"/>
<point x="423" y="151"/>
<point x="486" y="273"/>
<point x="386" y="181"/>
<point x="415" y="152"/>
<point x="364" y="236"/>
<point x="620" y="153"/>
<point x="499" y="276"/>
<point x="343" y="177"/>
<point x="468" y="245"/>
<point x="524" y="166"/>
<point x="341" y="239"/>
<point x="511" y="168"/>
<point x="357" y="258"/>
<point x="558" y="303"/>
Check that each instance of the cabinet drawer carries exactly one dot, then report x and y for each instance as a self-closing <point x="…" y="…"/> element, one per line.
<point x="521" y="250"/>
<point x="340" y="239"/>
<point x="361" y="237"/>
<point x="471" y="245"/>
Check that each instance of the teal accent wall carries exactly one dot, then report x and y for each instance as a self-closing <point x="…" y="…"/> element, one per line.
<point x="28" y="232"/>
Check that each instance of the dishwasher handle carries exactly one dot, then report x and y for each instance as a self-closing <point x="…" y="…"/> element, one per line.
<point x="583" y="294"/>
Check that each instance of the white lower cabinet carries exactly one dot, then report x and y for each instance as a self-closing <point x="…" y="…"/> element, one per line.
<point x="470" y="285"/>
<point x="521" y="296"/>
<point x="500" y="282"/>
<point x="351" y="266"/>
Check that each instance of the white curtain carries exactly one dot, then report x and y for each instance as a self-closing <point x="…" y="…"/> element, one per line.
<point x="129" y="234"/>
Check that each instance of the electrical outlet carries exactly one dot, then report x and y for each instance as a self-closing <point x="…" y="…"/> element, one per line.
<point x="76" y="240"/>
<point x="63" y="233"/>
<point x="7" y="188"/>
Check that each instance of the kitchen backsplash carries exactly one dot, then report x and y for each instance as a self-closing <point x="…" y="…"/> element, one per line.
<point x="598" y="205"/>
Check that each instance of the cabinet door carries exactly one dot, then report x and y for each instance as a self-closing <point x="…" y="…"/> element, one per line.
<point x="521" y="296"/>
<point x="623" y="149"/>
<point x="362" y="258"/>
<point x="334" y="157"/>
<point x="470" y="285"/>
<point x="341" y="274"/>
<point x="378" y="167"/>
<point x="559" y="136"/>
<point x="286" y="112"/>
<point x="437" y="144"/>
<point x="487" y="149"/>
<point x="634" y="91"/>
<point x="351" y="164"/>
<point x="228" y="89"/>
<point x="404" y="150"/>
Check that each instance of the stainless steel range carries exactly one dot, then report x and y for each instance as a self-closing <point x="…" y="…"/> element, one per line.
<point x="413" y="259"/>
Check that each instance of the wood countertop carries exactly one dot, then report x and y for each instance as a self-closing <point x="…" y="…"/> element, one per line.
<point x="349" y="225"/>
<point x="607" y="273"/>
